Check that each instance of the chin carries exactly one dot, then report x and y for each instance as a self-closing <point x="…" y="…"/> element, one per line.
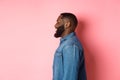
<point x="57" y="35"/>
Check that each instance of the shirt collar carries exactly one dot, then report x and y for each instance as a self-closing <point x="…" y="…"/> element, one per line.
<point x="67" y="37"/>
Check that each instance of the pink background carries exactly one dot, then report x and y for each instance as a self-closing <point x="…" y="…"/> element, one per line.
<point x="27" y="44"/>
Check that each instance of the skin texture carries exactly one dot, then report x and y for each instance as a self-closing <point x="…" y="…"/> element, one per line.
<point x="68" y="28"/>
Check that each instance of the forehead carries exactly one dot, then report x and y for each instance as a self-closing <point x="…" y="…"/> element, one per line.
<point x="59" y="18"/>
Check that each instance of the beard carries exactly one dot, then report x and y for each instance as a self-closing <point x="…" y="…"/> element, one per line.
<point x="59" y="31"/>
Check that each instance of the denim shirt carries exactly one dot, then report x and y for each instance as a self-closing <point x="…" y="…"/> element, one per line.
<point x="68" y="61"/>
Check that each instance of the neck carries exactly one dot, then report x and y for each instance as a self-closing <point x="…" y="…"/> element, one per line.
<point x="66" y="33"/>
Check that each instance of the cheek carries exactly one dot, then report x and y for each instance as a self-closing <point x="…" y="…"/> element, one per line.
<point x="58" y="24"/>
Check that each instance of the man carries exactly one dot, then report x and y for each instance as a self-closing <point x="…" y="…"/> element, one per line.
<point x="69" y="58"/>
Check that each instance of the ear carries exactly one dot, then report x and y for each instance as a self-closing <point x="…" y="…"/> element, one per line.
<point x="67" y="24"/>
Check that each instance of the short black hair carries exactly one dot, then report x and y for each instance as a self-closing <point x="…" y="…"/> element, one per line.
<point x="71" y="17"/>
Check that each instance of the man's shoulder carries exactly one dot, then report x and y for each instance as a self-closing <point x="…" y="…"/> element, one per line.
<point x="72" y="40"/>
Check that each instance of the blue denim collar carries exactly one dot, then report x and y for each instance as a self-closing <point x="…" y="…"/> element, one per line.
<point x="67" y="37"/>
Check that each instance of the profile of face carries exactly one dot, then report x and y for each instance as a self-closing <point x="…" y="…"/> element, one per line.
<point x="60" y="27"/>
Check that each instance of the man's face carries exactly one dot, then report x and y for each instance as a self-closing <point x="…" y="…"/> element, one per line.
<point x="60" y="27"/>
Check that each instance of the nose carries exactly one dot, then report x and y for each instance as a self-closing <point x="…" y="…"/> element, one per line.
<point x="55" y="26"/>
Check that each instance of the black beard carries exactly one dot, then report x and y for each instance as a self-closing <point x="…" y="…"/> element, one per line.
<point x="59" y="31"/>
